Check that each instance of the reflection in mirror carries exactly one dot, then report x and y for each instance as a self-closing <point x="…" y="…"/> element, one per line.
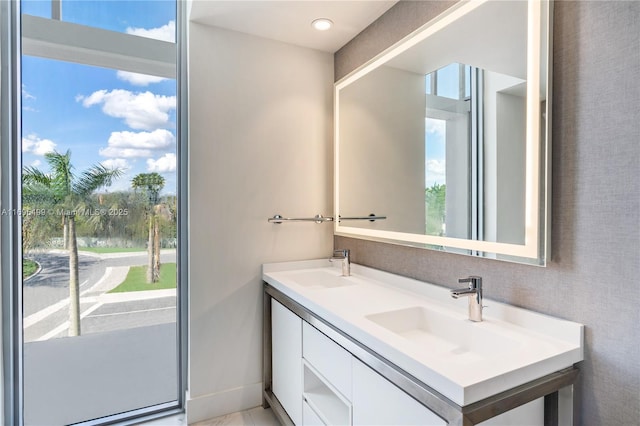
<point x="445" y="135"/>
<point x="471" y="115"/>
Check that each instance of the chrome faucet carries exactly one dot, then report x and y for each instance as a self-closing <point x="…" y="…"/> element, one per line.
<point x="343" y="255"/>
<point x="474" y="293"/>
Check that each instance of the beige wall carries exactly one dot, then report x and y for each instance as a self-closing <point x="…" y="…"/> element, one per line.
<point x="592" y="277"/>
<point x="382" y="146"/>
<point x="260" y="116"/>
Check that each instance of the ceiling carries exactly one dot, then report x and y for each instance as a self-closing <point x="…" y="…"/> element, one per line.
<point x="290" y="21"/>
<point x="492" y="36"/>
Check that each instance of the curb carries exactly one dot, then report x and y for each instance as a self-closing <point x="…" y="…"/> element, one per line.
<point x="24" y="280"/>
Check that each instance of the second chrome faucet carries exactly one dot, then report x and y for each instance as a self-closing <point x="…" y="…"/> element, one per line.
<point x="474" y="293"/>
<point x="344" y="256"/>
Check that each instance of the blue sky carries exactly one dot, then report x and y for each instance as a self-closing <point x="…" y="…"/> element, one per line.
<point x="102" y="115"/>
<point x="114" y="15"/>
<point x="435" y="152"/>
<point x="448" y="86"/>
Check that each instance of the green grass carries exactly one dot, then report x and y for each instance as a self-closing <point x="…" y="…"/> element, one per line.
<point x="137" y="279"/>
<point x="103" y="250"/>
<point x="29" y="267"/>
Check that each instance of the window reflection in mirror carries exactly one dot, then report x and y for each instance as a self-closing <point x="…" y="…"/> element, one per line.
<point x="466" y="181"/>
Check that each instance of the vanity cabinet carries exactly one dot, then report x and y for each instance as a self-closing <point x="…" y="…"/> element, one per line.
<point x="318" y="382"/>
<point x="315" y="374"/>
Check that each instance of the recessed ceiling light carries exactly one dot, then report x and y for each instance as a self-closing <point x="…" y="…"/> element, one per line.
<point x="322" y="24"/>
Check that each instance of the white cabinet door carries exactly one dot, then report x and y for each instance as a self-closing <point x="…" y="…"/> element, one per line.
<point x="286" y="359"/>
<point x="377" y="401"/>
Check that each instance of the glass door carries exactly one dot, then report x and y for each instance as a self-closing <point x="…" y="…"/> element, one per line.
<point x="99" y="210"/>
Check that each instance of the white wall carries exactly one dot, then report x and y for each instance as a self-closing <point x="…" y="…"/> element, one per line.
<point x="511" y="168"/>
<point x="504" y="158"/>
<point x="260" y="144"/>
<point x="382" y="150"/>
<point x="458" y="172"/>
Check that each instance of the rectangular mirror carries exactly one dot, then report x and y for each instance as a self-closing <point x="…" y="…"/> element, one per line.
<point x="446" y="135"/>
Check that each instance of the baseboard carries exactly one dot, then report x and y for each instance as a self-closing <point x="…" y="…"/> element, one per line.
<point x="206" y="407"/>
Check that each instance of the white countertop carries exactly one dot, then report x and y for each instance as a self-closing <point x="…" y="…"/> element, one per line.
<point x="515" y="346"/>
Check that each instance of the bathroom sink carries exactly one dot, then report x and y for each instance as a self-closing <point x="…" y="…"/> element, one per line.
<point x="439" y="333"/>
<point x="321" y="278"/>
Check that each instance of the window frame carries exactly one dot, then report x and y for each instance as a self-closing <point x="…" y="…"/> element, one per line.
<point x="66" y="41"/>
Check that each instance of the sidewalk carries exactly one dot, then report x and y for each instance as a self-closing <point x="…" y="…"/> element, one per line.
<point x="122" y="254"/>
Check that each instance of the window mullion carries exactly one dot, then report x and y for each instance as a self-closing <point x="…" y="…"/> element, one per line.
<point x="66" y="41"/>
<point x="476" y="152"/>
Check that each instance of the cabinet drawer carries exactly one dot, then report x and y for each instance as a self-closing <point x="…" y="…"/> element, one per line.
<point x="330" y="360"/>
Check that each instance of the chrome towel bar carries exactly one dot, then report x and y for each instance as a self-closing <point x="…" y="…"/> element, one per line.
<point x="317" y="219"/>
<point x="321" y="219"/>
<point x="371" y="218"/>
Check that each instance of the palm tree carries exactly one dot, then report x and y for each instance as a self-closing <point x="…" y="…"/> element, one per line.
<point x="152" y="183"/>
<point x="66" y="190"/>
<point x="109" y="225"/>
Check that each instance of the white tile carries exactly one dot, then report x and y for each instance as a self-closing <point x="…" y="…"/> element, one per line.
<point x="262" y="417"/>
<point x="241" y="418"/>
<point x="254" y="417"/>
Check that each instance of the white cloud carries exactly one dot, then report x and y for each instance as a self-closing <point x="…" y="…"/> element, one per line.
<point x="157" y="139"/>
<point x="114" y="152"/>
<point x="164" y="164"/>
<point x="26" y="95"/>
<point x="116" y="163"/>
<point x="34" y="145"/>
<point x="139" y="79"/>
<point x="165" y="33"/>
<point x="36" y="163"/>
<point x="436" y="127"/>
<point x="137" y="144"/>
<point x="144" y="111"/>
<point x="436" y="172"/>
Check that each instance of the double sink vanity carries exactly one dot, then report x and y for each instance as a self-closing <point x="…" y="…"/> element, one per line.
<point x="462" y="171"/>
<point x="378" y="348"/>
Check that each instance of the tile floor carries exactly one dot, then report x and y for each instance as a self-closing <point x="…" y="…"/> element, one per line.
<point x="254" y="417"/>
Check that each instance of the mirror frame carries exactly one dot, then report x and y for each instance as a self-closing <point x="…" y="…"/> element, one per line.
<point x="536" y="249"/>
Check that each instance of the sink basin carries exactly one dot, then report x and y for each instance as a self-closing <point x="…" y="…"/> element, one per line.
<point x="444" y="334"/>
<point x="321" y="278"/>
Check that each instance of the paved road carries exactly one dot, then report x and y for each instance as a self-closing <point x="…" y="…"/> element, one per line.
<point x="51" y="284"/>
<point x="45" y="296"/>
